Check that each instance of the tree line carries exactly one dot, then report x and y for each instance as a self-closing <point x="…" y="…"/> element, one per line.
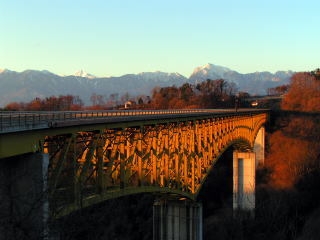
<point x="53" y="103"/>
<point x="217" y="93"/>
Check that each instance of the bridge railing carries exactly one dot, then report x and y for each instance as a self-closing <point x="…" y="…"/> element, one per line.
<point x="20" y="121"/>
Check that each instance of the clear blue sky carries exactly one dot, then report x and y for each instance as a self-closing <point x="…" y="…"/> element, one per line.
<point x="115" y="37"/>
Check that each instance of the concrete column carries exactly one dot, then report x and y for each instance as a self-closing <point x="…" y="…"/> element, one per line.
<point x="259" y="146"/>
<point x="244" y="169"/>
<point x="23" y="199"/>
<point x="177" y="220"/>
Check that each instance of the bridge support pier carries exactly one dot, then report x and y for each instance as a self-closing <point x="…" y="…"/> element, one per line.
<point x="23" y="201"/>
<point x="259" y="146"/>
<point x="244" y="169"/>
<point x="177" y="219"/>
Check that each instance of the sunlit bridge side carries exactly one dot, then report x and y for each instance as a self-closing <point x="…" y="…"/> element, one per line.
<point x="88" y="167"/>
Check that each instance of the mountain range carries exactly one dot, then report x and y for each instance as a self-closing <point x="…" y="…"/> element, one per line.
<point x="27" y="85"/>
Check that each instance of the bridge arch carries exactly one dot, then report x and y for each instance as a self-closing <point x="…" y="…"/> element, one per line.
<point x="239" y="144"/>
<point x="171" y="157"/>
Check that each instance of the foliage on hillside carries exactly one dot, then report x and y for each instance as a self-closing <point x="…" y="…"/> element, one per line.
<point x="304" y="93"/>
<point x="293" y="160"/>
<point x="294" y="149"/>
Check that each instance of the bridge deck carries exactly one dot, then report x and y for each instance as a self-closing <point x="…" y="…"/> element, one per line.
<point x="25" y="121"/>
<point x="22" y="132"/>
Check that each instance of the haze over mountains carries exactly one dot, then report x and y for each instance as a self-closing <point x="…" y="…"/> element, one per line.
<point x="27" y="85"/>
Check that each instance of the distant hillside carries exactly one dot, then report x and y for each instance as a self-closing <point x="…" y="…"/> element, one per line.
<point x="27" y="85"/>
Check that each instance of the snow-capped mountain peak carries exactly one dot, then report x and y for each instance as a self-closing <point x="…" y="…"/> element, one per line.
<point x="211" y="69"/>
<point x="84" y="74"/>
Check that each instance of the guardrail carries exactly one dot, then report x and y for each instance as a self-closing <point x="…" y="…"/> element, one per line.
<point x="22" y="121"/>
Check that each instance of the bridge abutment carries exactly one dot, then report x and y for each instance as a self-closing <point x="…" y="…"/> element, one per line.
<point x="23" y="199"/>
<point x="244" y="169"/>
<point x="177" y="219"/>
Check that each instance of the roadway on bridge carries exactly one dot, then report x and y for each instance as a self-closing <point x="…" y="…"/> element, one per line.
<point x="24" y="121"/>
